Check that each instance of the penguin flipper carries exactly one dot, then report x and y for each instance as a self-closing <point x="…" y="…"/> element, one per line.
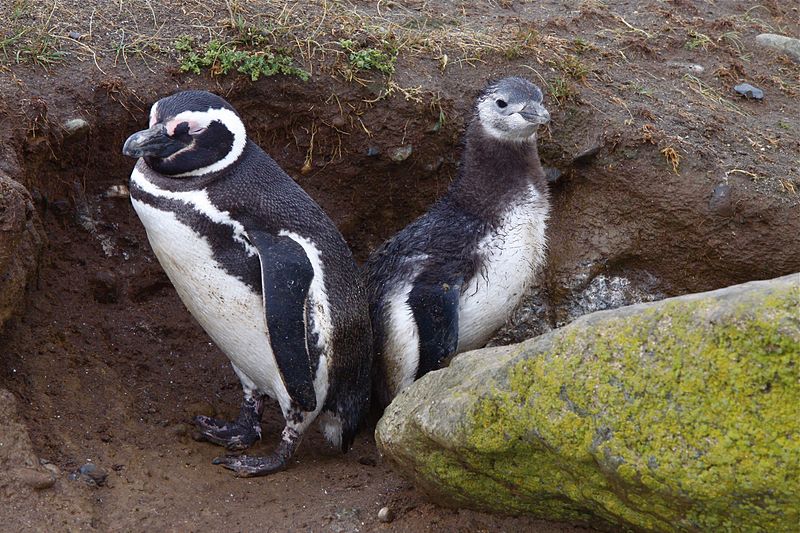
<point x="286" y="275"/>
<point x="435" y="309"/>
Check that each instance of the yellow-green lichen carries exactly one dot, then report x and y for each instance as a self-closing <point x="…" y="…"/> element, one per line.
<point x="683" y="417"/>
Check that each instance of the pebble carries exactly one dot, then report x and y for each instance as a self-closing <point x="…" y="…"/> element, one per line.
<point x="35" y="479"/>
<point x="790" y="45"/>
<point x="585" y="156"/>
<point x="118" y="191"/>
<point x="749" y="91"/>
<point x="694" y="68"/>
<point x="373" y="151"/>
<point x="92" y="474"/>
<point x="402" y="153"/>
<point x="385" y="515"/>
<point x="75" y="127"/>
<point x="720" y="201"/>
<point x="75" y="35"/>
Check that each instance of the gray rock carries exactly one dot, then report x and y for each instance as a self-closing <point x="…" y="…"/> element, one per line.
<point x="21" y="243"/>
<point x="34" y="478"/>
<point x="76" y="127"/>
<point x="385" y="515"/>
<point x="402" y="153"/>
<point x="721" y="200"/>
<point x="749" y="91"/>
<point x="783" y="43"/>
<point x="678" y="415"/>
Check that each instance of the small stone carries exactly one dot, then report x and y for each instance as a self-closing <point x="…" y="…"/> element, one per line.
<point x="105" y="287"/>
<point x="720" y="201"/>
<point x="790" y="45"/>
<point x="338" y="122"/>
<point x="694" y="68"/>
<point x="402" y="153"/>
<point x="35" y="479"/>
<point x="118" y="191"/>
<point x="373" y="151"/>
<point x="749" y="91"/>
<point x="585" y="156"/>
<point x="92" y="474"/>
<point x="50" y="467"/>
<point x="75" y="35"/>
<point x="76" y="127"/>
<point x="385" y="515"/>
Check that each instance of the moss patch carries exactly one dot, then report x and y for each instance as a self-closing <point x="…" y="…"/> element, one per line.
<point x="682" y="417"/>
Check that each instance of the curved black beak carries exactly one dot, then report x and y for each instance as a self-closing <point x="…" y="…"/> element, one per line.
<point x="153" y="142"/>
<point x="536" y="113"/>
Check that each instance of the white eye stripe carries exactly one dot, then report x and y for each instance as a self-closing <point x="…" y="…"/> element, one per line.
<point x="153" y="115"/>
<point x="202" y="119"/>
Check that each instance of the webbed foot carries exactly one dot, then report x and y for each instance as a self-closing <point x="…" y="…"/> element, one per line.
<point x="237" y="435"/>
<point x="250" y="466"/>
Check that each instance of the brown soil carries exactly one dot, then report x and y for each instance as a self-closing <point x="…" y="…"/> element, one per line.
<point x="108" y="367"/>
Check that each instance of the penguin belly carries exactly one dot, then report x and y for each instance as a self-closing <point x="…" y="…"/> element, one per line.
<point x="512" y="254"/>
<point x="227" y="309"/>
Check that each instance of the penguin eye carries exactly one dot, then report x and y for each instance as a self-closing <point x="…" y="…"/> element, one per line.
<point x="181" y="130"/>
<point x="501" y="103"/>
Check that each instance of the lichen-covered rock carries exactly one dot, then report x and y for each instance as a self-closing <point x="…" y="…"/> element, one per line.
<point x="21" y="241"/>
<point x="679" y="415"/>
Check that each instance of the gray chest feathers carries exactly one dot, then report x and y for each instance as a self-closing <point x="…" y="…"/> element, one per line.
<point x="511" y="256"/>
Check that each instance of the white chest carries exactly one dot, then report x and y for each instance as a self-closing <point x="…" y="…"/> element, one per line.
<point x="512" y="256"/>
<point x="227" y="309"/>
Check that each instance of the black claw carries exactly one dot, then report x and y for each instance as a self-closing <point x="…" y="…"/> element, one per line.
<point x="247" y="466"/>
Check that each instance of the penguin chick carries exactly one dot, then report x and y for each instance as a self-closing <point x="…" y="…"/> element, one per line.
<point x="449" y="280"/>
<point x="263" y="270"/>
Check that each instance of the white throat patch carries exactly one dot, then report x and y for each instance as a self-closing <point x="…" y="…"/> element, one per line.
<point x="201" y="119"/>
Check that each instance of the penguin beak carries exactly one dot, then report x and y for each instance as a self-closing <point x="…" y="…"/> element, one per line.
<point x="153" y="142"/>
<point x="536" y="113"/>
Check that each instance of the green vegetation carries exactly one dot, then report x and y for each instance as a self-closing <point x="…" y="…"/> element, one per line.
<point x="382" y="60"/>
<point x="220" y="58"/>
<point x="698" y="40"/>
<point x="22" y="41"/>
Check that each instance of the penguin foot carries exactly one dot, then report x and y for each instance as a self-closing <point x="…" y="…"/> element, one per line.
<point x="250" y="466"/>
<point x="237" y="435"/>
<point x="231" y="435"/>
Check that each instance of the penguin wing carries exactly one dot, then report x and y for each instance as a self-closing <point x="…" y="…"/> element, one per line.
<point x="286" y="275"/>
<point x="435" y="309"/>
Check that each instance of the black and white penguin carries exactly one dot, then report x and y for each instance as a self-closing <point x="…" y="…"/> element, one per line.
<point x="449" y="280"/>
<point x="263" y="270"/>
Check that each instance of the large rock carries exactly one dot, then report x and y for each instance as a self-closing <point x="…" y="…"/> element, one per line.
<point x="21" y="240"/>
<point x="679" y="415"/>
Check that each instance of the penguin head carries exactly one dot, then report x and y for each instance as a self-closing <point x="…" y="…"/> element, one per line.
<point x="511" y="110"/>
<point x="191" y="133"/>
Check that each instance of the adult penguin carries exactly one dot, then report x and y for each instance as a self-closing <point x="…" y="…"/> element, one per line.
<point x="449" y="280"/>
<point x="263" y="270"/>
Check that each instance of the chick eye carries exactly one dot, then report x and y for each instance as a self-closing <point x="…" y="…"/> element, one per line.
<point x="501" y="103"/>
